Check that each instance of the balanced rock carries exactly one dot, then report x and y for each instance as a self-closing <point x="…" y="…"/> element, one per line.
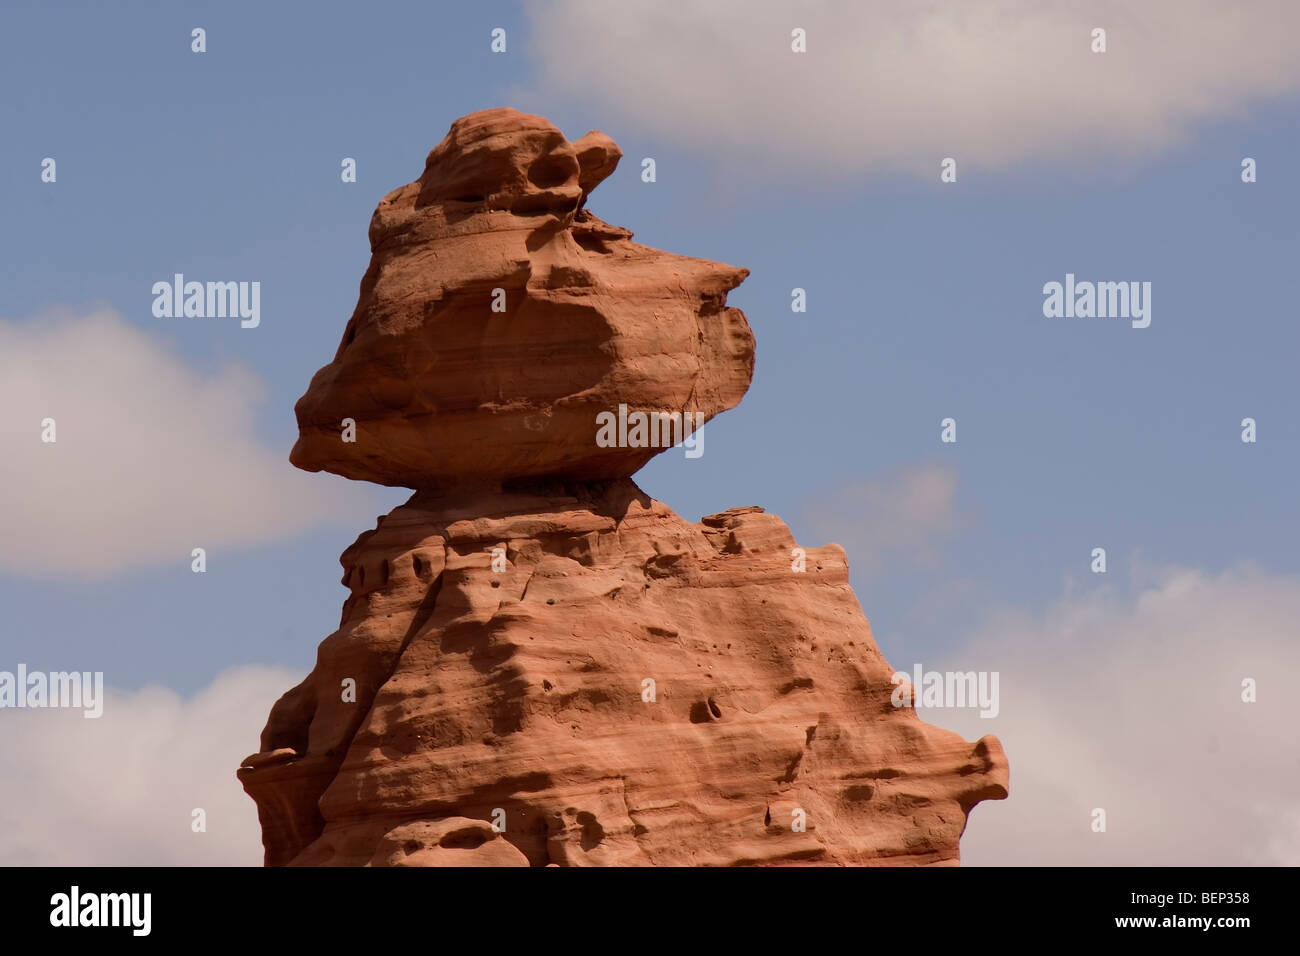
<point x="499" y="316"/>
<point x="538" y="664"/>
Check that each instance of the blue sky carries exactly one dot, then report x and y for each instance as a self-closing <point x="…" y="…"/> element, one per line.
<point x="924" y="301"/>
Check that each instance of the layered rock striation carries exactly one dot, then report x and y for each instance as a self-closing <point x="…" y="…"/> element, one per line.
<point x="539" y="664"/>
<point x="499" y="316"/>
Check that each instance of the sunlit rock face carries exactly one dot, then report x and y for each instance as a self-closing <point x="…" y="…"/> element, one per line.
<point x="538" y="663"/>
<point x="499" y="316"/>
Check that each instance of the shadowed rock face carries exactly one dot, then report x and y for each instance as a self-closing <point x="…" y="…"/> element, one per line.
<point x="550" y="667"/>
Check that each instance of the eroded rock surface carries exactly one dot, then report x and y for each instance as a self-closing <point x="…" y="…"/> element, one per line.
<point x="444" y="390"/>
<point x="550" y="667"/>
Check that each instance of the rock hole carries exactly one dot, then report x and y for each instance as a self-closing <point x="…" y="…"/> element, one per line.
<point x="767" y="817"/>
<point x="589" y="242"/>
<point x="715" y="709"/>
<point x="593" y="834"/>
<point x="798" y="683"/>
<point x="544" y="204"/>
<point x="530" y="838"/>
<point x="551" y="171"/>
<point x="466" y="839"/>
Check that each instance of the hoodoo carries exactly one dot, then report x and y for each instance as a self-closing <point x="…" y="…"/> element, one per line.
<point x="538" y="663"/>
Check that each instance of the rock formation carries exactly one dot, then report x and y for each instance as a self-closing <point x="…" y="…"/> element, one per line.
<point x="539" y="664"/>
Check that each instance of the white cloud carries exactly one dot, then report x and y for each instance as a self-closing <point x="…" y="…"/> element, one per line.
<point x="882" y="522"/>
<point x="900" y="85"/>
<point x="120" y="790"/>
<point x="1134" y="706"/>
<point x="152" y="458"/>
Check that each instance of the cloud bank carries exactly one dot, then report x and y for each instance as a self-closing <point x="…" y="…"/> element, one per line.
<point x="1135" y="707"/>
<point x="151" y="459"/>
<point x="121" y="790"/>
<point x="900" y="85"/>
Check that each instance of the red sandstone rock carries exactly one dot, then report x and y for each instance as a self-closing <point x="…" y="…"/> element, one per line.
<point x="444" y="390"/>
<point x="562" y="670"/>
